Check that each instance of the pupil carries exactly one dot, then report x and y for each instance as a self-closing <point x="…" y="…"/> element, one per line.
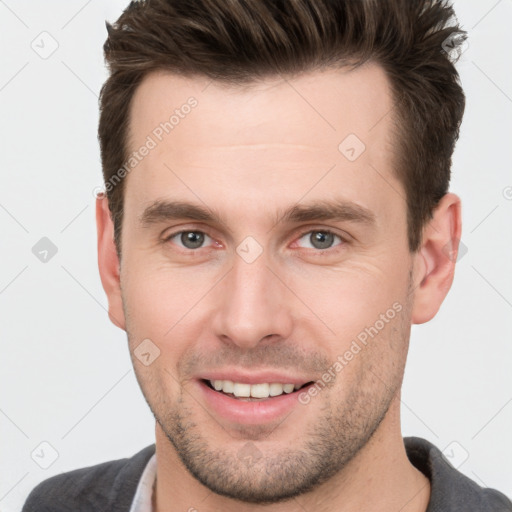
<point x="192" y="239"/>
<point x="321" y="240"/>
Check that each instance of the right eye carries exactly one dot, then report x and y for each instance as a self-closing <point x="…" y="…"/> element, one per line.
<point x="189" y="239"/>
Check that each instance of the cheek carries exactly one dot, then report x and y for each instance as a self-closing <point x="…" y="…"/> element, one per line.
<point x="364" y="307"/>
<point x="353" y="296"/>
<point x="371" y="356"/>
<point x="159" y="299"/>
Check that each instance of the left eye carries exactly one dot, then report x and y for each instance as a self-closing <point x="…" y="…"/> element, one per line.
<point x="319" y="239"/>
<point x="190" y="239"/>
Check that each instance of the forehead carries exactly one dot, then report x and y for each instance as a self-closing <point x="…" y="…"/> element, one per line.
<point x="284" y="132"/>
<point x="332" y="102"/>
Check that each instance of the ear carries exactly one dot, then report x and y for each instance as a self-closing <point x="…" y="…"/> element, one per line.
<point x="434" y="262"/>
<point x="108" y="262"/>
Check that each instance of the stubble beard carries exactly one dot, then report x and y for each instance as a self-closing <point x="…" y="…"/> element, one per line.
<point x="331" y="440"/>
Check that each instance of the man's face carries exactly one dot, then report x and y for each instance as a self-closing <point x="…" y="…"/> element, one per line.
<point x="265" y="288"/>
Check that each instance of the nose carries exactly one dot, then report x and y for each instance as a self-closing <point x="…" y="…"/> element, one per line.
<point x="251" y="305"/>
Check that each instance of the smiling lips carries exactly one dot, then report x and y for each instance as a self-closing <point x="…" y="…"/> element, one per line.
<point x="250" y="399"/>
<point x="259" y="391"/>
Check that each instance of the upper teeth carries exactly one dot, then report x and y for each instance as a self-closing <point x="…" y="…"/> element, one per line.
<point x="253" y="390"/>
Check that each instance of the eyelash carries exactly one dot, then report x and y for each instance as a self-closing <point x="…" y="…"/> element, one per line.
<point x="343" y="240"/>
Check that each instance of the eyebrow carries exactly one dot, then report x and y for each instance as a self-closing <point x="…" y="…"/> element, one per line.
<point x="334" y="210"/>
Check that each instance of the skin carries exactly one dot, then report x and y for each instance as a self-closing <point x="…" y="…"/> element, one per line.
<point x="248" y="154"/>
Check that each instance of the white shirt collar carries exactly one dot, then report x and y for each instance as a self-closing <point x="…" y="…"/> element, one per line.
<point x="144" y="493"/>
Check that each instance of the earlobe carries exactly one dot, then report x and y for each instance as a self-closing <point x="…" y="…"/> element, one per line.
<point x="436" y="258"/>
<point x="108" y="262"/>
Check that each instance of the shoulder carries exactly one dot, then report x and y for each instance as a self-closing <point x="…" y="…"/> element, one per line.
<point x="451" y="490"/>
<point x="107" y="486"/>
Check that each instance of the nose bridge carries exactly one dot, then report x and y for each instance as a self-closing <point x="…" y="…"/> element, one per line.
<point x="252" y="305"/>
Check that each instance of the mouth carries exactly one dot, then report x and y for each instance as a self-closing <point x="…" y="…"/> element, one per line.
<point x="252" y="399"/>
<point x="254" y="392"/>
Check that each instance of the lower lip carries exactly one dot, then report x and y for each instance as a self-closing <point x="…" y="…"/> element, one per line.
<point x="250" y="413"/>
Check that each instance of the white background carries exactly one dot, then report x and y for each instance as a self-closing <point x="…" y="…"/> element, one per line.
<point x="66" y="377"/>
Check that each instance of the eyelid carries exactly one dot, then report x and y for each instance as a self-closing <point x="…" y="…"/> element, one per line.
<point x="322" y="229"/>
<point x="344" y="237"/>
<point x="173" y="235"/>
<point x="169" y="234"/>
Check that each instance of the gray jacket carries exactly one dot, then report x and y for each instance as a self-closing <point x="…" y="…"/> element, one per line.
<point x="111" y="486"/>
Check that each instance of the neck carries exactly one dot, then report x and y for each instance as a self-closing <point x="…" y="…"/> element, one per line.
<point x="379" y="478"/>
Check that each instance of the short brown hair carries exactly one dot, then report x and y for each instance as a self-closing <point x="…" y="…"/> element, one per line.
<point x="242" y="41"/>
